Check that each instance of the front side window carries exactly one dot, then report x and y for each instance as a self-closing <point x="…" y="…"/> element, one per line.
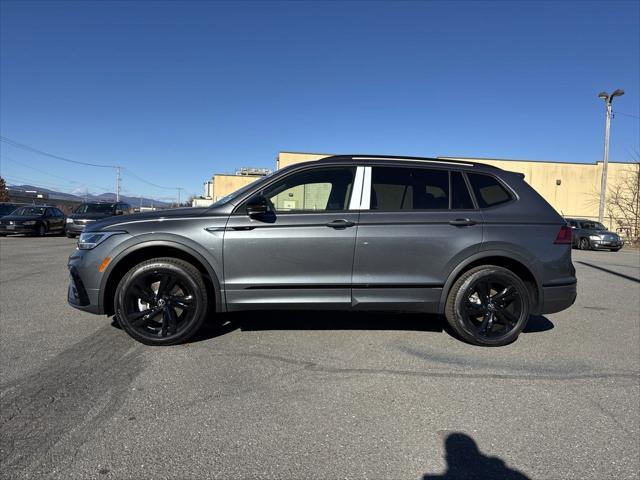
<point x="326" y="189"/>
<point x="488" y="191"/>
<point x="397" y="188"/>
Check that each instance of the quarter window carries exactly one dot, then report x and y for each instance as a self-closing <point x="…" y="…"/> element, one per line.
<point x="395" y="188"/>
<point x="488" y="191"/>
<point x="315" y="190"/>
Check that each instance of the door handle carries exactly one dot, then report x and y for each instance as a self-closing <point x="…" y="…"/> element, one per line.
<point x="340" y="224"/>
<point x="462" y="222"/>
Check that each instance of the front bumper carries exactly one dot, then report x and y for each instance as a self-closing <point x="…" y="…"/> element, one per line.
<point x="75" y="228"/>
<point x="606" y="244"/>
<point x="558" y="297"/>
<point x="11" y="229"/>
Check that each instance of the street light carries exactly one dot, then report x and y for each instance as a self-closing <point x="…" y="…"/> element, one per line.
<point x="607" y="126"/>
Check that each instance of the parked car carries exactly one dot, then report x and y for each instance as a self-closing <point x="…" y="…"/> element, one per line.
<point x="470" y="241"/>
<point x="7" y="207"/>
<point x="87" y="213"/>
<point x="33" y="219"/>
<point x="590" y="235"/>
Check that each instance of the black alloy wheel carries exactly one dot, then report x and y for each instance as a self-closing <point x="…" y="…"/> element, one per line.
<point x="161" y="301"/>
<point x="488" y="305"/>
<point x="584" y="244"/>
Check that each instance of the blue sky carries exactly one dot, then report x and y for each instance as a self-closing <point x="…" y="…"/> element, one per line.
<point x="177" y="91"/>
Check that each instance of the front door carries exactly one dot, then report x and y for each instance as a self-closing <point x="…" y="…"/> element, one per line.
<point x="416" y="225"/>
<point x="300" y="253"/>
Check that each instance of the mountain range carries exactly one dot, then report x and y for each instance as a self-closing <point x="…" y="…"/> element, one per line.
<point x="89" y="197"/>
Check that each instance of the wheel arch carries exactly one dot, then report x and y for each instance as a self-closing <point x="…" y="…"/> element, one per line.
<point x="153" y="249"/>
<point x="500" y="259"/>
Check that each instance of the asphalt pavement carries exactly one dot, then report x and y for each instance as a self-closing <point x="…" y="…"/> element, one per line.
<point x="307" y="395"/>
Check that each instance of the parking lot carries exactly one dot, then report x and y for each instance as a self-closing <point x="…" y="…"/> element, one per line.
<point x="304" y="395"/>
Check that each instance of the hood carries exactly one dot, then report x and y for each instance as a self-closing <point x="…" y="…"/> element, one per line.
<point x="89" y="216"/>
<point x="20" y="218"/>
<point x="122" y="220"/>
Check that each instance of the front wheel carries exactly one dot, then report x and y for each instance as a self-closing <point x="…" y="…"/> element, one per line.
<point x="488" y="306"/>
<point x="42" y="230"/>
<point x="162" y="301"/>
<point x="584" y="244"/>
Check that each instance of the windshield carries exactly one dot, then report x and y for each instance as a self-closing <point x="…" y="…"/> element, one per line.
<point x="29" y="211"/>
<point x="593" y="225"/>
<point x="94" y="208"/>
<point x="240" y="192"/>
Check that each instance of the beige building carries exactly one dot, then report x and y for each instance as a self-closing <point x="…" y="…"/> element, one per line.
<point x="572" y="188"/>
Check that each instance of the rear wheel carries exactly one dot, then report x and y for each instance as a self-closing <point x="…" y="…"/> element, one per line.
<point x="162" y="301"/>
<point x="488" y="306"/>
<point x="70" y="235"/>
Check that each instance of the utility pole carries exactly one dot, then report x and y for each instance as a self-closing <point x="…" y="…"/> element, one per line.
<point x="608" y="99"/>
<point x="117" y="184"/>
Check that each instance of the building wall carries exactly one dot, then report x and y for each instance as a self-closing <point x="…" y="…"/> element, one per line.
<point x="576" y="196"/>
<point x="224" y="184"/>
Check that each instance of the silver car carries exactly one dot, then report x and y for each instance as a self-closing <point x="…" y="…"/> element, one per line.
<point x="469" y="241"/>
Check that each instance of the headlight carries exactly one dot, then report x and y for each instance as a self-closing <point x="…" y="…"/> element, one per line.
<point x="29" y="223"/>
<point x="90" y="240"/>
<point x="594" y="237"/>
<point x="69" y="220"/>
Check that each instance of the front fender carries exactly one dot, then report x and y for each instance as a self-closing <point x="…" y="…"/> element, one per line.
<point x="210" y="260"/>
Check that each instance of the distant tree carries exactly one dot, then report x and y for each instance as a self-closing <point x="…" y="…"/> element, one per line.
<point x="623" y="201"/>
<point x="4" y="193"/>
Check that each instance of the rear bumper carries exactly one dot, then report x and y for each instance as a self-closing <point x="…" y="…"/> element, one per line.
<point x="558" y="297"/>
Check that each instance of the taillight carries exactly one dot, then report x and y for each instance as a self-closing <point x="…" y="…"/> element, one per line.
<point x="564" y="235"/>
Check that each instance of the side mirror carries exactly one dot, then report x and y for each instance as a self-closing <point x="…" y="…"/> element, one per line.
<point x="257" y="206"/>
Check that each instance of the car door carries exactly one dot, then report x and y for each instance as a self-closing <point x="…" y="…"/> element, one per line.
<point x="300" y="253"/>
<point x="50" y="220"/>
<point x="415" y="226"/>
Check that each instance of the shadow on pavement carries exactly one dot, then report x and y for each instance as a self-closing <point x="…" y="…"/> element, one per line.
<point x="612" y="272"/>
<point x="260" y="320"/>
<point x="466" y="462"/>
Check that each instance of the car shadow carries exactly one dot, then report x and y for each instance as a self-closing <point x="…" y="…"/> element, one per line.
<point x="466" y="462"/>
<point x="263" y="320"/>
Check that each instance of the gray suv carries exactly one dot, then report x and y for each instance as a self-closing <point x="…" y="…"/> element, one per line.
<point x="470" y="241"/>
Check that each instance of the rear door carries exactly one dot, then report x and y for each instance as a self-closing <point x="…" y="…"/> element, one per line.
<point x="301" y="252"/>
<point x="415" y="226"/>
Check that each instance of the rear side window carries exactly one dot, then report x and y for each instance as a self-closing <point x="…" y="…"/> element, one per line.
<point x="488" y="191"/>
<point x="395" y="188"/>
<point x="460" y="196"/>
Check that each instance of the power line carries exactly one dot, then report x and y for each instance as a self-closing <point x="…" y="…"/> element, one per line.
<point x="27" y="148"/>
<point x="54" y="175"/>
<point x="118" y="168"/>
<point x="626" y="114"/>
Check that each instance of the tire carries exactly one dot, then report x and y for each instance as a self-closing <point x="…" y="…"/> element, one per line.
<point x="70" y="235"/>
<point x="584" y="244"/>
<point x="493" y="320"/>
<point x="173" y="295"/>
<point x="615" y="249"/>
<point x="42" y="230"/>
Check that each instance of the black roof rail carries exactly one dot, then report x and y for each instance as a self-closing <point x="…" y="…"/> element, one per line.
<point x="332" y="158"/>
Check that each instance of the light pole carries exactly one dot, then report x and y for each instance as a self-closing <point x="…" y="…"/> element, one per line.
<point x="608" y="99"/>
